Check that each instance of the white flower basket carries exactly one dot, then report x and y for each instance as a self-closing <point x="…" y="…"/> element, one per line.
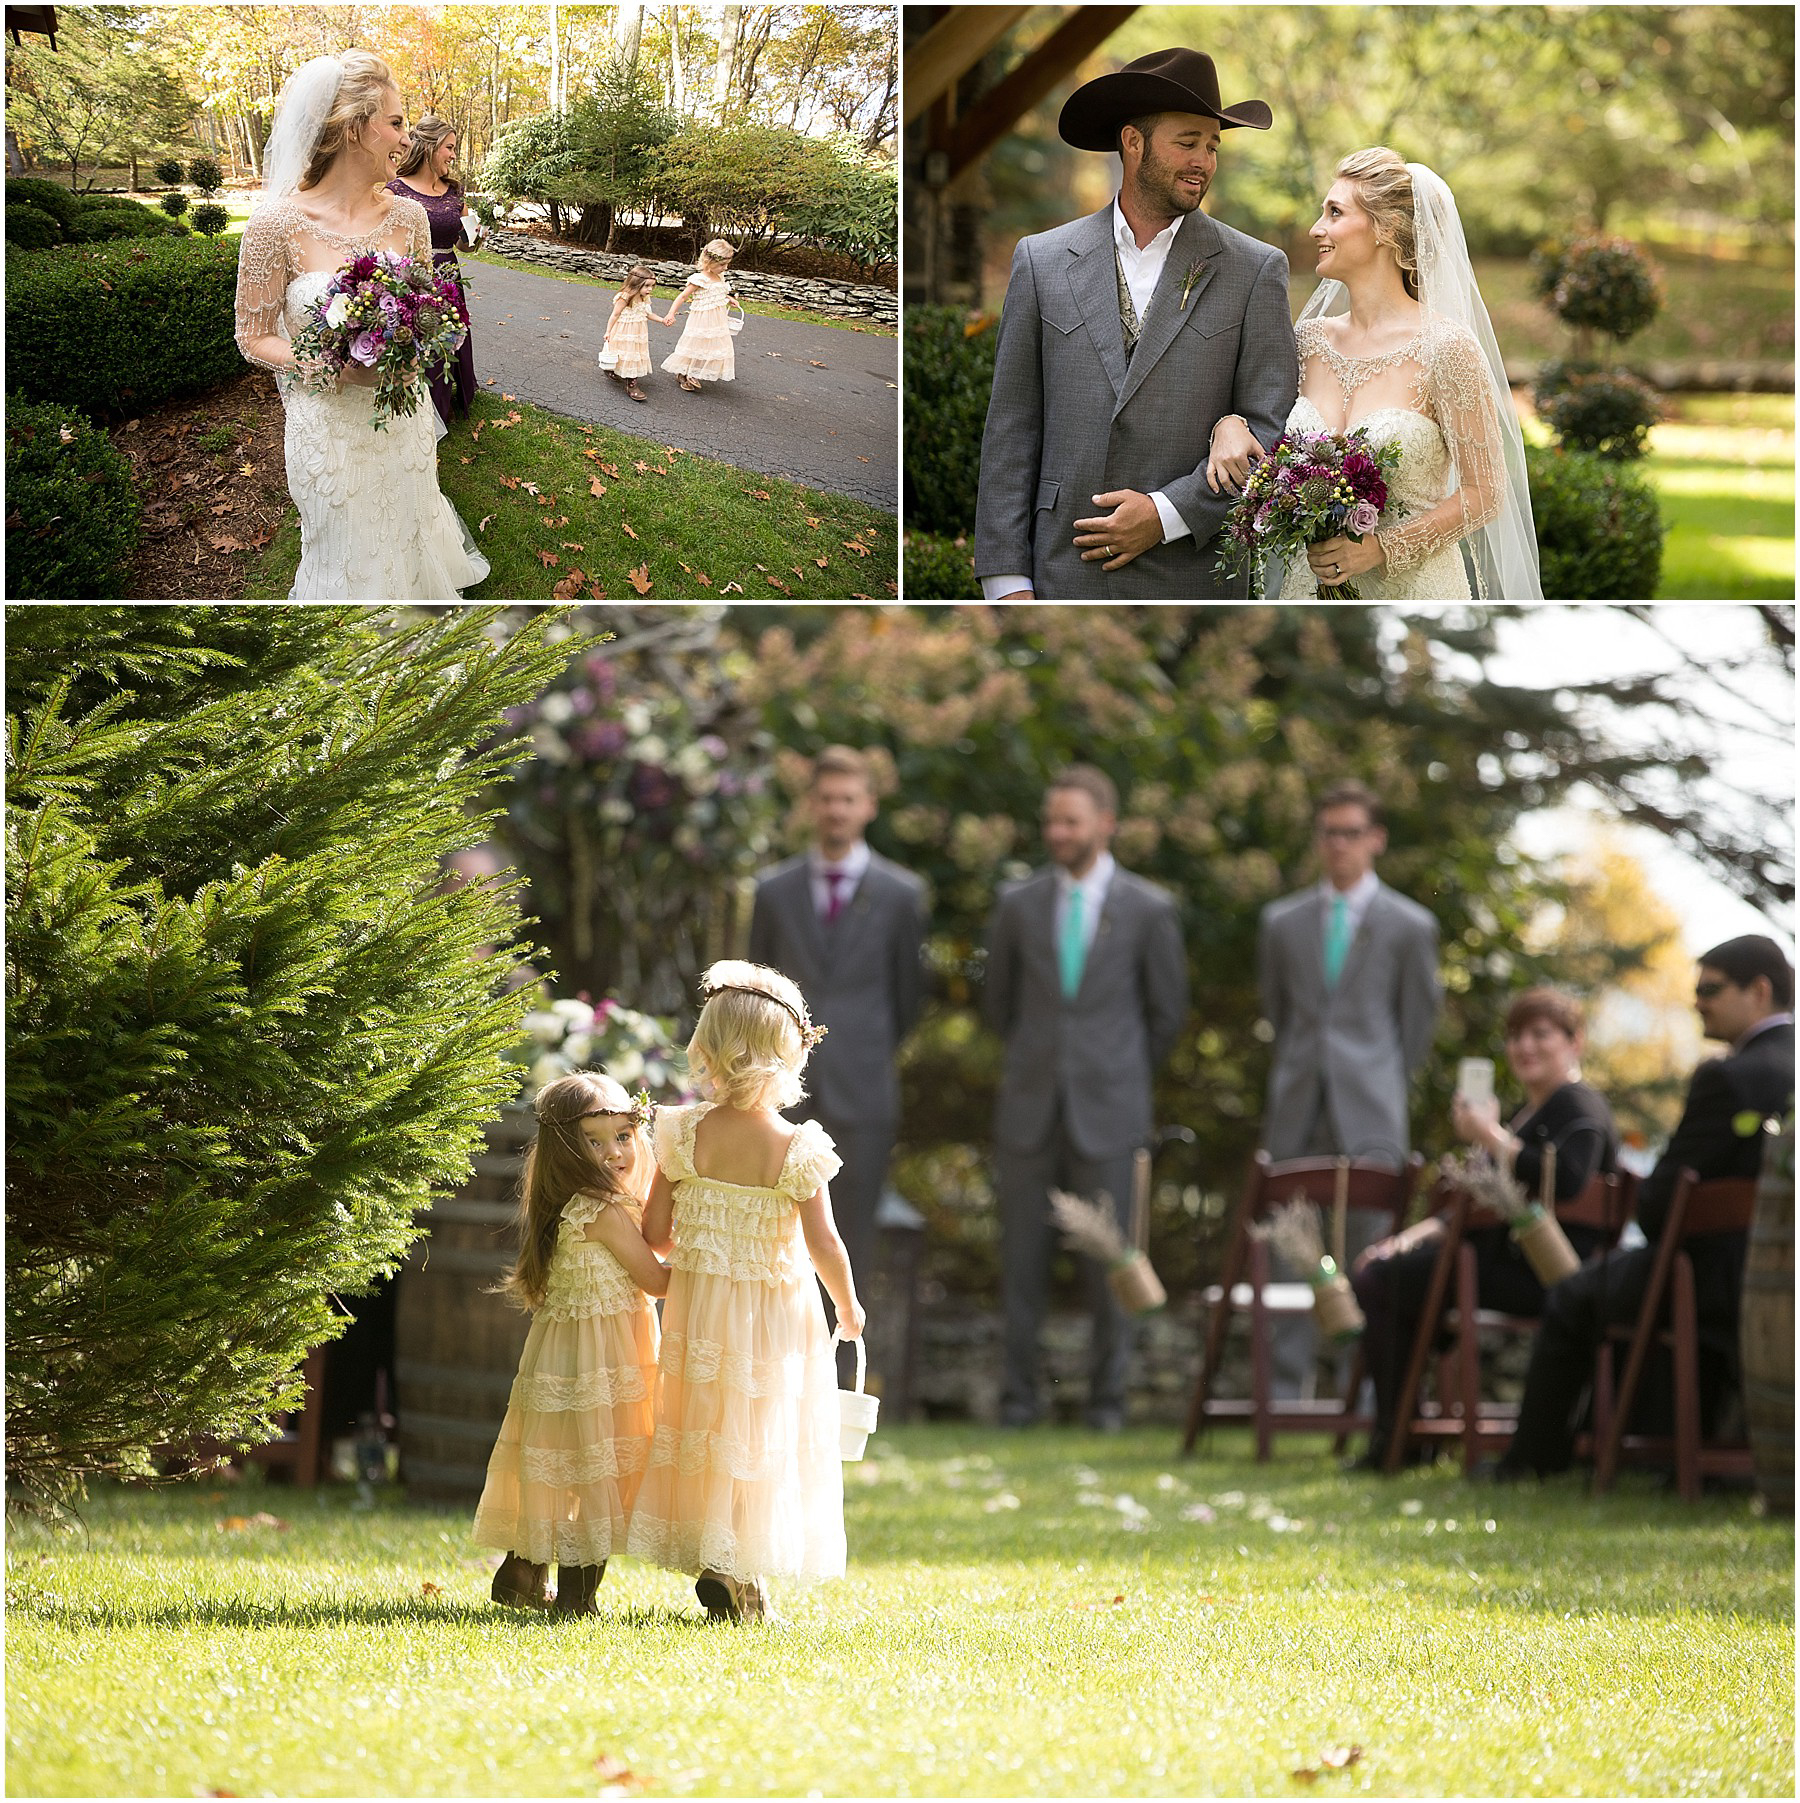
<point x="735" y="320"/>
<point x="856" y="1409"/>
<point x="609" y="358"/>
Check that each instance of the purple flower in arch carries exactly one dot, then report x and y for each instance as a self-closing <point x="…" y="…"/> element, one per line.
<point x="714" y="747"/>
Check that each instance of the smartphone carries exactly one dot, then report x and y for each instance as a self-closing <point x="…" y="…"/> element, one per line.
<point x="1475" y="1080"/>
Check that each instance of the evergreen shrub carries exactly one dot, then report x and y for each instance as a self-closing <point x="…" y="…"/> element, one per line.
<point x="938" y="568"/>
<point x="1601" y="284"/>
<point x="210" y="219"/>
<point x="56" y="200"/>
<point x="1608" y="411"/>
<point x="1599" y="530"/>
<point x="108" y="220"/>
<point x="948" y="374"/>
<point x="31" y="228"/>
<point x="167" y="170"/>
<point x="115" y="329"/>
<point x="206" y="175"/>
<point x="174" y="203"/>
<point x="250" y="1028"/>
<point x="72" y="508"/>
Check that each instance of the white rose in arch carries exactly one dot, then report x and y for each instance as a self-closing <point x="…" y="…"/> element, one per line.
<point x="546" y="1029"/>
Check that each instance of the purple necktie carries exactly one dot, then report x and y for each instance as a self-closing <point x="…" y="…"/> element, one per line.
<point x="834" y="894"/>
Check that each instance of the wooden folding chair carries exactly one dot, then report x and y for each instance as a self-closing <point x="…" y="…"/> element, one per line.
<point x="1725" y="1205"/>
<point x="299" y="1450"/>
<point x="1336" y="1185"/>
<point x="1606" y="1204"/>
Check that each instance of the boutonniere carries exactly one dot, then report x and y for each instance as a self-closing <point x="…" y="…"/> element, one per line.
<point x="1194" y="273"/>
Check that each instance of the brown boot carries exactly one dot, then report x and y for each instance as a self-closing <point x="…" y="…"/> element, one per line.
<point x="576" y="1586"/>
<point x="718" y="1595"/>
<point x="520" y="1584"/>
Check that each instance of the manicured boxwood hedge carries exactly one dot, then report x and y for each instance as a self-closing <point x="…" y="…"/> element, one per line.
<point x="115" y="328"/>
<point x="1599" y="531"/>
<point x="71" y="508"/>
<point x="948" y="371"/>
<point x="31" y="228"/>
<point x="56" y="200"/>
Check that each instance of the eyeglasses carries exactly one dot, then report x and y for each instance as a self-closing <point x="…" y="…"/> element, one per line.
<point x="1341" y="832"/>
<point x="1704" y="992"/>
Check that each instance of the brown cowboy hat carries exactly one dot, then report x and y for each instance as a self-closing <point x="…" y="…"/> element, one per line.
<point x="1165" y="81"/>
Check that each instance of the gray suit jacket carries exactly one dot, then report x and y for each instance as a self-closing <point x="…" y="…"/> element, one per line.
<point x="1070" y="418"/>
<point x="860" y="977"/>
<point x="1094" y="1056"/>
<point x="1362" y="1039"/>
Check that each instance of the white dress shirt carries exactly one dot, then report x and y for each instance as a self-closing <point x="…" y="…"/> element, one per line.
<point x="819" y="867"/>
<point x="1093" y="889"/>
<point x="1142" y="269"/>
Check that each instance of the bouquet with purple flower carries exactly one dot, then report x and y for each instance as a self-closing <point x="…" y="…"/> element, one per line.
<point x="389" y="314"/>
<point x="1312" y="486"/>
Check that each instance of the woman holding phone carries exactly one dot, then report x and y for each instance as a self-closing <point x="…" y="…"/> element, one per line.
<point x="1544" y="1032"/>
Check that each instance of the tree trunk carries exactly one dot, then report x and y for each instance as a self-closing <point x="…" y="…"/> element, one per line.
<point x="728" y="19"/>
<point x="628" y="33"/>
<point x="677" y="77"/>
<point x="556" y="100"/>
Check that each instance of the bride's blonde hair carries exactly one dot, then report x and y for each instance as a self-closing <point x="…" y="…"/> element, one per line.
<point x="1384" y="187"/>
<point x="366" y="78"/>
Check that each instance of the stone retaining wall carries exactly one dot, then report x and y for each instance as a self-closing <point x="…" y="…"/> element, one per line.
<point x="848" y="299"/>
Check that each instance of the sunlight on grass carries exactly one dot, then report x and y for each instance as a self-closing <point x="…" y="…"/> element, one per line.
<point x="1049" y="1613"/>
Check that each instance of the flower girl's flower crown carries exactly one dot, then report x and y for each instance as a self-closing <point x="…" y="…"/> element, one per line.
<point x="809" y="1034"/>
<point x="639" y="1113"/>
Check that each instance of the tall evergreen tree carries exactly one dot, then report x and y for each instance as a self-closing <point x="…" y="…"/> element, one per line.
<point x="249" y="1029"/>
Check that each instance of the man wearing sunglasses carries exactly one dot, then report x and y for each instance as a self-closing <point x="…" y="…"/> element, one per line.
<point x="1745" y="998"/>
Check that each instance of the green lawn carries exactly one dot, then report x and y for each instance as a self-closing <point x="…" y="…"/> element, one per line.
<point x="1723" y="470"/>
<point x="1041" y="1614"/>
<point x="689" y="528"/>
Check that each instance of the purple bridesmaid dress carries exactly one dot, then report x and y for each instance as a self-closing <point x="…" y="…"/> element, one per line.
<point x="445" y="212"/>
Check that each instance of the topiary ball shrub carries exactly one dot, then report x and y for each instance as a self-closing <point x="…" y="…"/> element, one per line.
<point x="939" y="569"/>
<point x="948" y="374"/>
<point x="167" y="170"/>
<point x="1608" y="411"/>
<point x="210" y="219"/>
<point x="114" y="329"/>
<point x="52" y="197"/>
<point x="31" y="228"/>
<point x="1602" y="284"/>
<point x="174" y="203"/>
<point x="206" y="175"/>
<point x="1599" y="531"/>
<point x="71" y="506"/>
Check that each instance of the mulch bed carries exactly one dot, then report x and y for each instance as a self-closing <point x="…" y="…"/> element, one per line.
<point x="213" y="479"/>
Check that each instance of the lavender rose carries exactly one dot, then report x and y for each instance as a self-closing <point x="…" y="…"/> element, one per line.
<point x="1364" y="518"/>
<point x="365" y="348"/>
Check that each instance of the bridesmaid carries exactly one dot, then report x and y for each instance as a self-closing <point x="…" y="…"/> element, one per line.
<point x="424" y="176"/>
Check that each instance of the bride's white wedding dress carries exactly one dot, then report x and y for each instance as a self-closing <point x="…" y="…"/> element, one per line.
<point x="1451" y="469"/>
<point x="373" y="523"/>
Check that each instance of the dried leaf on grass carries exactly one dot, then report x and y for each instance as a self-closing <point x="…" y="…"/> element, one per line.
<point x="640" y="577"/>
<point x="625" y="527"/>
<point x="1333" y="1759"/>
<point x="239" y="1524"/>
<point x="427" y="1588"/>
<point x="596" y="487"/>
<point x="569" y="589"/>
<point x="617" y="1779"/>
<point x="1104" y="1603"/>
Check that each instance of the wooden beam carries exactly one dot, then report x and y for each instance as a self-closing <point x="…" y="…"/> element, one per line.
<point x="951" y="48"/>
<point x="1054" y="60"/>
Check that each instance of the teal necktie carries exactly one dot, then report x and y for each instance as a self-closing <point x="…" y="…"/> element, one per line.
<point x="1337" y="939"/>
<point x="1071" y="951"/>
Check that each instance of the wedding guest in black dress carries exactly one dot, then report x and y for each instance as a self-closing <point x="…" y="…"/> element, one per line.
<point x="1543" y="1047"/>
<point x="425" y="177"/>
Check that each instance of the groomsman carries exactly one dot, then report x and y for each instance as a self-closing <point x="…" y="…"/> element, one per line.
<point x="1349" y="980"/>
<point x="1087" y="985"/>
<point x="847" y="926"/>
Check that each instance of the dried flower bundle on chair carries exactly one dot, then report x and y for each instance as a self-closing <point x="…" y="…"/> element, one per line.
<point x="1533" y="1224"/>
<point x="1091" y="1229"/>
<point x="1294" y="1232"/>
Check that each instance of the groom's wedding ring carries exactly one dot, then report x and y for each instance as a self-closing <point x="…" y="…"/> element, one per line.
<point x="1110" y="552"/>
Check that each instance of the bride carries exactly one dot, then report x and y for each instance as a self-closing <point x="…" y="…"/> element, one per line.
<point x="373" y="523"/>
<point x="1397" y="340"/>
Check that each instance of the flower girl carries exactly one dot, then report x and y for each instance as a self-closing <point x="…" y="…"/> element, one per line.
<point x="745" y="1481"/>
<point x="572" y="1449"/>
<point x="704" y="352"/>
<point x="628" y="331"/>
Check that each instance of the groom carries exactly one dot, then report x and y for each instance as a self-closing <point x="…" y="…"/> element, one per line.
<point x="1126" y="337"/>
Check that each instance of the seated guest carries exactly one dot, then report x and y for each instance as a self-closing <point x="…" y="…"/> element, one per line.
<point x="1745" y="997"/>
<point x="1543" y="1047"/>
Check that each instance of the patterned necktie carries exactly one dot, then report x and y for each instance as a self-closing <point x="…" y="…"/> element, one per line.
<point x="834" y="894"/>
<point x="1071" y="951"/>
<point x="1128" y="314"/>
<point x="1337" y="939"/>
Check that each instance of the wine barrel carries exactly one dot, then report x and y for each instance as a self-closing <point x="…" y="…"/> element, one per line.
<point x="456" y="1345"/>
<point x="1766" y="1325"/>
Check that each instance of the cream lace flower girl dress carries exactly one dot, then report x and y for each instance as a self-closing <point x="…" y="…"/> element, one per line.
<point x="745" y="1475"/>
<point x="576" y="1439"/>
<point x="704" y="352"/>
